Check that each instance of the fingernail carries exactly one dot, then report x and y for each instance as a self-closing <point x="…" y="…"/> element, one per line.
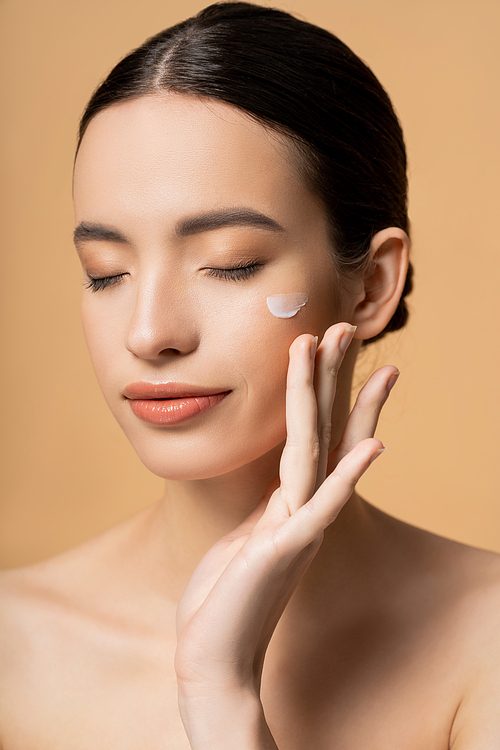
<point x="346" y="339"/>
<point x="314" y="346"/>
<point x="392" y="381"/>
<point x="377" y="454"/>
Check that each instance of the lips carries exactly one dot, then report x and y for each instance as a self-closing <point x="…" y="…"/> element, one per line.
<point x="168" y="390"/>
<point x="170" y="403"/>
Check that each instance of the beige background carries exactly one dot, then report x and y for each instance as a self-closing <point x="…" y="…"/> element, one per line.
<point x="67" y="471"/>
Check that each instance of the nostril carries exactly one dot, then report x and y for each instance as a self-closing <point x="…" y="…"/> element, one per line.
<point x="153" y="333"/>
<point x="169" y="351"/>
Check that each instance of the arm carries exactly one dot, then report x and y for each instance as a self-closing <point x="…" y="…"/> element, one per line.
<point x="233" y="602"/>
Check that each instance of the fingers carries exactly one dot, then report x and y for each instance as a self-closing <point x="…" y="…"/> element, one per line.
<point x="313" y="518"/>
<point x="364" y="416"/>
<point x="310" y="394"/>
<point x="328" y="360"/>
<point x="299" y="460"/>
<point x="311" y="386"/>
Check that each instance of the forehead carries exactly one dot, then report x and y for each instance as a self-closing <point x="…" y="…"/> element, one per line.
<point x="174" y="153"/>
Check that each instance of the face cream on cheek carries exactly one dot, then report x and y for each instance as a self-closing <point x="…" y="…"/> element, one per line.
<point x="286" y="305"/>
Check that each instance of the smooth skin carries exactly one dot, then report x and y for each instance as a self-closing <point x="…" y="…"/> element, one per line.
<point x="260" y="603"/>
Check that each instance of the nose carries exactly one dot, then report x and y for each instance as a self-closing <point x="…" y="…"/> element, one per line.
<point x="162" y="322"/>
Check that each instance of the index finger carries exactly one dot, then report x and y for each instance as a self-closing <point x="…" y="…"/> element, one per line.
<point x="299" y="460"/>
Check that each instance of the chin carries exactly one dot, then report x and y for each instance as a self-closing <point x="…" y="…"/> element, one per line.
<point x="191" y="460"/>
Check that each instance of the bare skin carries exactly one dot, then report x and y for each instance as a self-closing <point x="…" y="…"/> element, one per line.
<point x="395" y="646"/>
<point x="389" y="638"/>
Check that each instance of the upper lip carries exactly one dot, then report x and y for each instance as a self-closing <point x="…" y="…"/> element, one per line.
<point x="168" y="390"/>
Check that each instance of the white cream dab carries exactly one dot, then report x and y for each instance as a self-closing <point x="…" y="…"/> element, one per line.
<point x="286" y="305"/>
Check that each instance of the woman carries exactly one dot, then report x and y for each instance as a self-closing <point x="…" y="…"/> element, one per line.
<point x="240" y="201"/>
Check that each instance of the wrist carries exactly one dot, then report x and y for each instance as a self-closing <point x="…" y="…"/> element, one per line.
<point x="224" y="719"/>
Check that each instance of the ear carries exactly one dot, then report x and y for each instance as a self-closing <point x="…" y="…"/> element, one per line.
<point x="382" y="282"/>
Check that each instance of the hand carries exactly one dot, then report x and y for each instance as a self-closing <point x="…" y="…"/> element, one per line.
<point x="238" y="592"/>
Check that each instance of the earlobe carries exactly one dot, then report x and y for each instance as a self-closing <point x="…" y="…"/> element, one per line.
<point x="383" y="282"/>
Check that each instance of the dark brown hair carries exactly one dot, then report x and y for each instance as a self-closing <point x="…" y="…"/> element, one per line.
<point x="300" y="81"/>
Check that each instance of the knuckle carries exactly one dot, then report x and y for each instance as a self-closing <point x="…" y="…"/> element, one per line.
<point x="278" y="547"/>
<point x="293" y="443"/>
<point x="325" y="433"/>
<point x="310" y="509"/>
<point x="310" y="446"/>
<point x="261" y="548"/>
<point x="333" y="368"/>
<point x="369" y="400"/>
<point x="299" y="384"/>
<point x="364" y="402"/>
<point x="286" y="500"/>
<point x="314" y="449"/>
<point x="343" y="480"/>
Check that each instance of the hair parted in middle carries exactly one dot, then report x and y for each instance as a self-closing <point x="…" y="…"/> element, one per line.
<point x="302" y="82"/>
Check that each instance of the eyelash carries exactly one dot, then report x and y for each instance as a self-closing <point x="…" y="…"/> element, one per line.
<point x="235" y="274"/>
<point x="96" y="284"/>
<point x="238" y="273"/>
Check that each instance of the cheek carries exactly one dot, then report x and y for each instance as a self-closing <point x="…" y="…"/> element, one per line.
<point x="93" y="332"/>
<point x="269" y="338"/>
<point x="254" y="343"/>
<point x="103" y="332"/>
<point x="242" y="345"/>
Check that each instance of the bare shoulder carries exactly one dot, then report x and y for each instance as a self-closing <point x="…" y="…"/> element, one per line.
<point x="468" y="577"/>
<point x="22" y="599"/>
<point x="32" y="607"/>
<point x="13" y="611"/>
<point x="457" y="587"/>
<point x="447" y="583"/>
<point x="24" y="614"/>
<point x="83" y="621"/>
<point x="91" y="594"/>
<point x="477" y="721"/>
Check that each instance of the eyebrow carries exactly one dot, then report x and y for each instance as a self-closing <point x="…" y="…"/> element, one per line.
<point x="227" y="218"/>
<point x="88" y="231"/>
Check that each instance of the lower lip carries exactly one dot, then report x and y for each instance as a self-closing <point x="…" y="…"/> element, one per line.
<point x="173" y="410"/>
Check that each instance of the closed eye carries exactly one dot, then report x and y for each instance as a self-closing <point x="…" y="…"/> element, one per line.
<point x="237" y="273"/>
<point x="96" y="284"/>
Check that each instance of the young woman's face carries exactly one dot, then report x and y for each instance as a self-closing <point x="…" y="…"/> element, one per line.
<point x="169" y="190"/>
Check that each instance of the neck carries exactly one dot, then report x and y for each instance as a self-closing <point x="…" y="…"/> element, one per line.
<point x="182" y="527"/>
<point x="193" y="515"/>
